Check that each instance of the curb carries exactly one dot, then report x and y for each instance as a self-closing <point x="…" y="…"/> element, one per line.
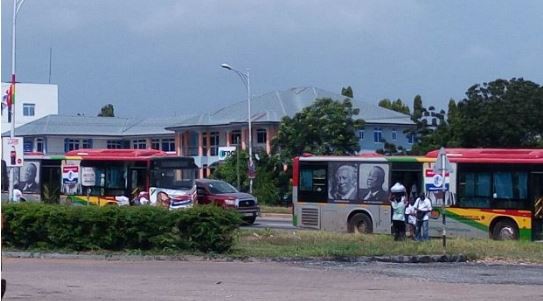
<point x="342" y="259"/>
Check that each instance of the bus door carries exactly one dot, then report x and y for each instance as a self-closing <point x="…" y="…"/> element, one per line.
<point x="51" y="178"/>
<point x="536" y="186"/>
<point x="137" y="180"/>
<point x="408" y="174"/>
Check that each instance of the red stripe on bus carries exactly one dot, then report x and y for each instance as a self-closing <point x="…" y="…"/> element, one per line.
<point x="295" y="171"/>
<point x="511" y="212"/>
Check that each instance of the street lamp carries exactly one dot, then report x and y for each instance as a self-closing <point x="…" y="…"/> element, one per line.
<point x="16" y="6"/>
<point x="247" y="82"/>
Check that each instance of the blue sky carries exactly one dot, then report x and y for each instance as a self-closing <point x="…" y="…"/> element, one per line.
<point x="163" y="57"/>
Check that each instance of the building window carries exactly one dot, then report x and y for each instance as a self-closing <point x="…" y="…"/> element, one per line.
<point x="70" y="144"/>
<point x="28" y="109"/>
<point x="86" y="143"/>
<point x="235" y="137"/>
<point x="261" y="136"/>
<point x="410" y="138"/>
<point x="139" y="144"/>
<point x="394" y="134"/>
<point x="40" y="145"/>
<point x="114" y="144"/>
<point x="28" y="145"/>
<point x="361" y="135"/>
<point x="155" y="143"/>
<point x="214" y="143"/>
<point x="377" y="135"/>
<point x="168" y="145"/>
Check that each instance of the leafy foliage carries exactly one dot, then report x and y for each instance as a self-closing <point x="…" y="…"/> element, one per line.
<point x="347" y="92"/>
<point x="271" y="182"/>
<point x="397" y="105"/>
<point x="204" y="228"/>
<point x="325" y="128"/>
<point x="502" y="113"/>
<point x="107" y="111"/>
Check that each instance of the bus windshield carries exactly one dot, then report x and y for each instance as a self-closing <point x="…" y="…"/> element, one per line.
<point x="173" y="178"/>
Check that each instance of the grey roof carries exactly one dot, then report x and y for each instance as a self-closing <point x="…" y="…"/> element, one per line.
<point x="95" y="126"/>
<point x="273" y="106"/>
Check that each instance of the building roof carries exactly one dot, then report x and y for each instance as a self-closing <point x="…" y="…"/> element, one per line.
<point x="270" y="107"/>
<point x="273" y="106"/>
<point x="52" y="125"/>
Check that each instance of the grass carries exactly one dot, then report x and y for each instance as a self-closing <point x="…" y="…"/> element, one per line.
<point x="303" y="243"/>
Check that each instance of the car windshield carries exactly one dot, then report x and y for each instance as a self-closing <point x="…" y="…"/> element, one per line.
<point x="219" y="187"/>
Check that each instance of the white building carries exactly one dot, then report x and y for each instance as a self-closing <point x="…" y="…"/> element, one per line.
<point x="32" y="102"/>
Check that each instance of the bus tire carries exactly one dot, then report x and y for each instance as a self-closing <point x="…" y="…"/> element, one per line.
<point x="505" y="230"/>
<point x="360" y="223"/>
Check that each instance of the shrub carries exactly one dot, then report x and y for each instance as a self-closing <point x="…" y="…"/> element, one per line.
<point x="80" y="228"/>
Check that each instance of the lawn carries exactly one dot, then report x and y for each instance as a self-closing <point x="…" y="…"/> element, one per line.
<point x="305" y="243"/>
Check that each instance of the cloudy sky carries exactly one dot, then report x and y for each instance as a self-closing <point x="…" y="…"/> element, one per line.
<point x="163" y="57"/>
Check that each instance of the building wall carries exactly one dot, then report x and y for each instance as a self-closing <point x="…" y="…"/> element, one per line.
<point x="367" y="137"/>
<point x="44" y="97"/>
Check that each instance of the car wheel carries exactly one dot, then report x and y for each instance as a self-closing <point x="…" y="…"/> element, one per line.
<point x="360" y="223"/>
<point x="505" y="230"/>
<point x="249" y="220"/>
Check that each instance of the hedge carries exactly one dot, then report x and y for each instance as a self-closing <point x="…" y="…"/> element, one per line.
<point x="82" y="228"/>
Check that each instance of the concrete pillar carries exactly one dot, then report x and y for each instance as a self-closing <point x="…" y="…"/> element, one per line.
<point x="269" y="132"/>
<point x="243" y="137"/>
<point x="200" y="146"/>
<point x="179" y="143"/>
<point x="228" y="142"/>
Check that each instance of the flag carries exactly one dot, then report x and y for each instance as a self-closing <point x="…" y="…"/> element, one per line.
<point x="7" y="100"/>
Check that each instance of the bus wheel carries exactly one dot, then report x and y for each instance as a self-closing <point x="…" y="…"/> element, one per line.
<point x="360" y="223"/>
<point x="505" y="230"/>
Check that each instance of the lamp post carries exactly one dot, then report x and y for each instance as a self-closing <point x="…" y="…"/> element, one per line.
<point x="16" y="6"/>
<point x="247" y="82"/>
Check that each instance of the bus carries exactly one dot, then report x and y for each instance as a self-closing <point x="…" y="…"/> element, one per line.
<point x="496" y="193"/>
<point x="115" y="176"/>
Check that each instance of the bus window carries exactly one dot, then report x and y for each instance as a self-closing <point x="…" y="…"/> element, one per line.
<point x="313" y="186"/>
<point x="510" y="190"/>
<point x="474" y="190"/>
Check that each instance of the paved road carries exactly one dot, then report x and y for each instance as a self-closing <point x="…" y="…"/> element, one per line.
<point x="273" y="222"/>
<point x="61" y="279"/>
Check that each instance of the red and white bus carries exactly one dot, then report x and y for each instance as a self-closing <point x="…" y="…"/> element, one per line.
<point x="495" y="193"/>
<point x="113" y="176"/>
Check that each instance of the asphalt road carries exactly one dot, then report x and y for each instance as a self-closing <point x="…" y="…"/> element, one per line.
<point x="277" y="221"/>
<point x="69" y="279"/>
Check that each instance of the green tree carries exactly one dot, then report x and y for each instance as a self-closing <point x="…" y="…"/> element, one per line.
<point x="502" y="113"/>
<point x="347" y="92"/>
<point x="327" y="127"/>
<point x="271" y="181"/>
<point x="397" y="105"/>
<point x="107" y="111"/>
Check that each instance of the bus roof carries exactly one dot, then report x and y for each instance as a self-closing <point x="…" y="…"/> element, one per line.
<point x="116" y="154"/>
<point x="492" y="155"/>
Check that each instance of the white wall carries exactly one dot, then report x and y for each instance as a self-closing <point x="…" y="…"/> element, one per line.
<point x="43" y="96"/>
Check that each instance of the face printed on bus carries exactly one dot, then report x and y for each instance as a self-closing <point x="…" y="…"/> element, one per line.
<point x="163" y="200"/>
<point x="345" y="179"/>
<point x="376" y="178"/>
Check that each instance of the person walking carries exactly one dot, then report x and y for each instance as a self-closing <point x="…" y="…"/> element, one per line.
<point x="397" y="201"/>
<point x="423" y="207"/>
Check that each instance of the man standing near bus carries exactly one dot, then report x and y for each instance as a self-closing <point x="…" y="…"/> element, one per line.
<point x="423" y="205"/>
<point x="397" y="201"/>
